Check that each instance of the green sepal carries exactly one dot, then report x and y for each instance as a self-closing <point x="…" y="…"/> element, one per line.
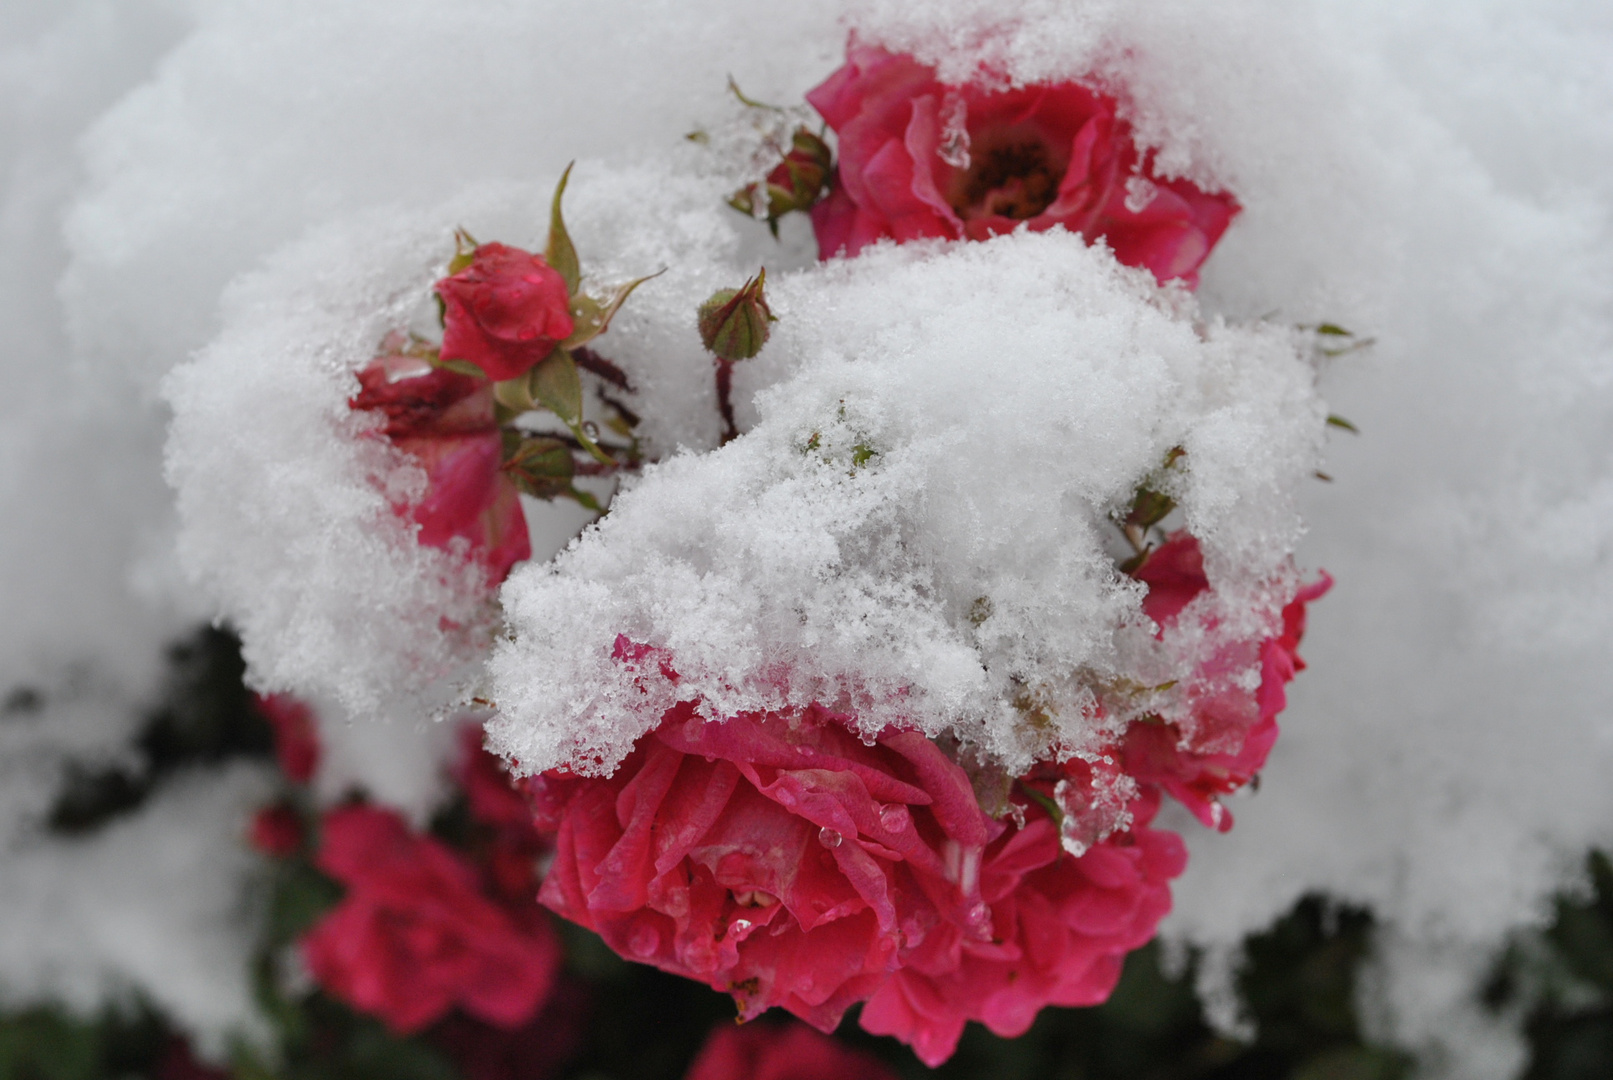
<point x="554" y="384"/>
<point x="465" y="246"/>
<point x="462" y="367"/>
<point x="559" y="252"/>
<point x="591" y="317"/>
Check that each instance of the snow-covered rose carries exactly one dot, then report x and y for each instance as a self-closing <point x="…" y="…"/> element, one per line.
<point x="774" y="857"/>
<point x="446" y="421"/>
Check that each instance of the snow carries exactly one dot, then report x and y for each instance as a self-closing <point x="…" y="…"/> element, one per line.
<point x="205" y="184"/>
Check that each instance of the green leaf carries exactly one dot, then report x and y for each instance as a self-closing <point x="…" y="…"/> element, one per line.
<point x="1333" y="330"/>
<point x="542" y="456"/>
<point x="554" y="384"/>
<point x="515" y="394"/>
<point x="559" y="252"/>
<point x="1335" y="420"/>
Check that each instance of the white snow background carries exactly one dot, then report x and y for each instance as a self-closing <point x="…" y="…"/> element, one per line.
<point x="1431" y="174"/>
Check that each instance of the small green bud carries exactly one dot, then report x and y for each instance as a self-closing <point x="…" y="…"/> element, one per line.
<point x="734" y="322"/>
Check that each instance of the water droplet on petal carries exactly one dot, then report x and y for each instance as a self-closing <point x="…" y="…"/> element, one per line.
<point x="828" y="837"/>
<point x="894" y="818"/>
<point x="741" y="926"/>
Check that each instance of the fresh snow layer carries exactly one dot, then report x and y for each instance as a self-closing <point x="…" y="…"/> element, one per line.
<point x="917" y="528"/>
<point x="1432" y="175"/>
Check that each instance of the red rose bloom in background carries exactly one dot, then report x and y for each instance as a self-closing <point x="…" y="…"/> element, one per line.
<point x="414" y="937"/>
<point x="446" y="421"/>
<point x="772" y="1052"/>
<point x="504" y="312"/>
<point x="1235" y="729"/>
<point x="276" y="831"/>
<point x="296" y="736"/>
<point x="776" y="858"/>
<point x="1061" y="929"/>
<point x="922" y="159"/>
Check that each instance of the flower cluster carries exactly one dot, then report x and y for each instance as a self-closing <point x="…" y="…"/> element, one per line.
<point x="781" y="859"/>
<point x="792" y="856"/>
<point x="423" y="930"/>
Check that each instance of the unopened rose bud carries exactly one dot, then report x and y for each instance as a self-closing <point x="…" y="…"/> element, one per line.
<point x="796" y="183"/>
<point x="734" y="322"/>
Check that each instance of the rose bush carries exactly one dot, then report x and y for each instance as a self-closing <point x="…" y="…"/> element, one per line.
<point x="414" y="937"/>
<point x="789" y="1052"/>
<point x="504" y="312"/>
<point x="1233" y="728"/>
<point x="918" y="158"/>
<point x="446" y="421"/>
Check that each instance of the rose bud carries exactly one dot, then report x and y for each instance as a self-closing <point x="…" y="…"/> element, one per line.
<point x="504" y="312"/>
<point x="796" y="183"/>
<point x="734" y="322"/>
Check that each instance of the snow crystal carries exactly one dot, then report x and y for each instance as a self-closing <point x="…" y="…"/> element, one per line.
<point x="917" y="528"/>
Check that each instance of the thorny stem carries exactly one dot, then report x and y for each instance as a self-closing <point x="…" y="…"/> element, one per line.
<point x="725" y="380"/>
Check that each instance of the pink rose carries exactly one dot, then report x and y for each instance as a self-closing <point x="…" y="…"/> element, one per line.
<point x="772" y="1052"/>
<point x="777" y="858"/>
<point x="923" y="159"/>
<point x="504" y="312"/>
<point x="414" y="937"/>
<point x="446" y="421"/>
<point x="296" y="739"/>
<point x="509" y="846"/>
<point x="276" y="831"/>
<point x="1061" y="928"/>
<point x="1235" y="729"/>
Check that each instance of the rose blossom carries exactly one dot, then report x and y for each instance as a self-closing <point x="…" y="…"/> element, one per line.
<point x="414" y="937"/>
<point x="775" y="857"/>
<point x="504" y="312"/>
<point x="1234" y="729"/>
<point x="276" y="831"/>
<point x="774" y="1052"/>
<point x="296" y="738"/>
<point x="922" y="159"/>
<point x="1061" y="927"/>
<point x="446" y="421"/>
